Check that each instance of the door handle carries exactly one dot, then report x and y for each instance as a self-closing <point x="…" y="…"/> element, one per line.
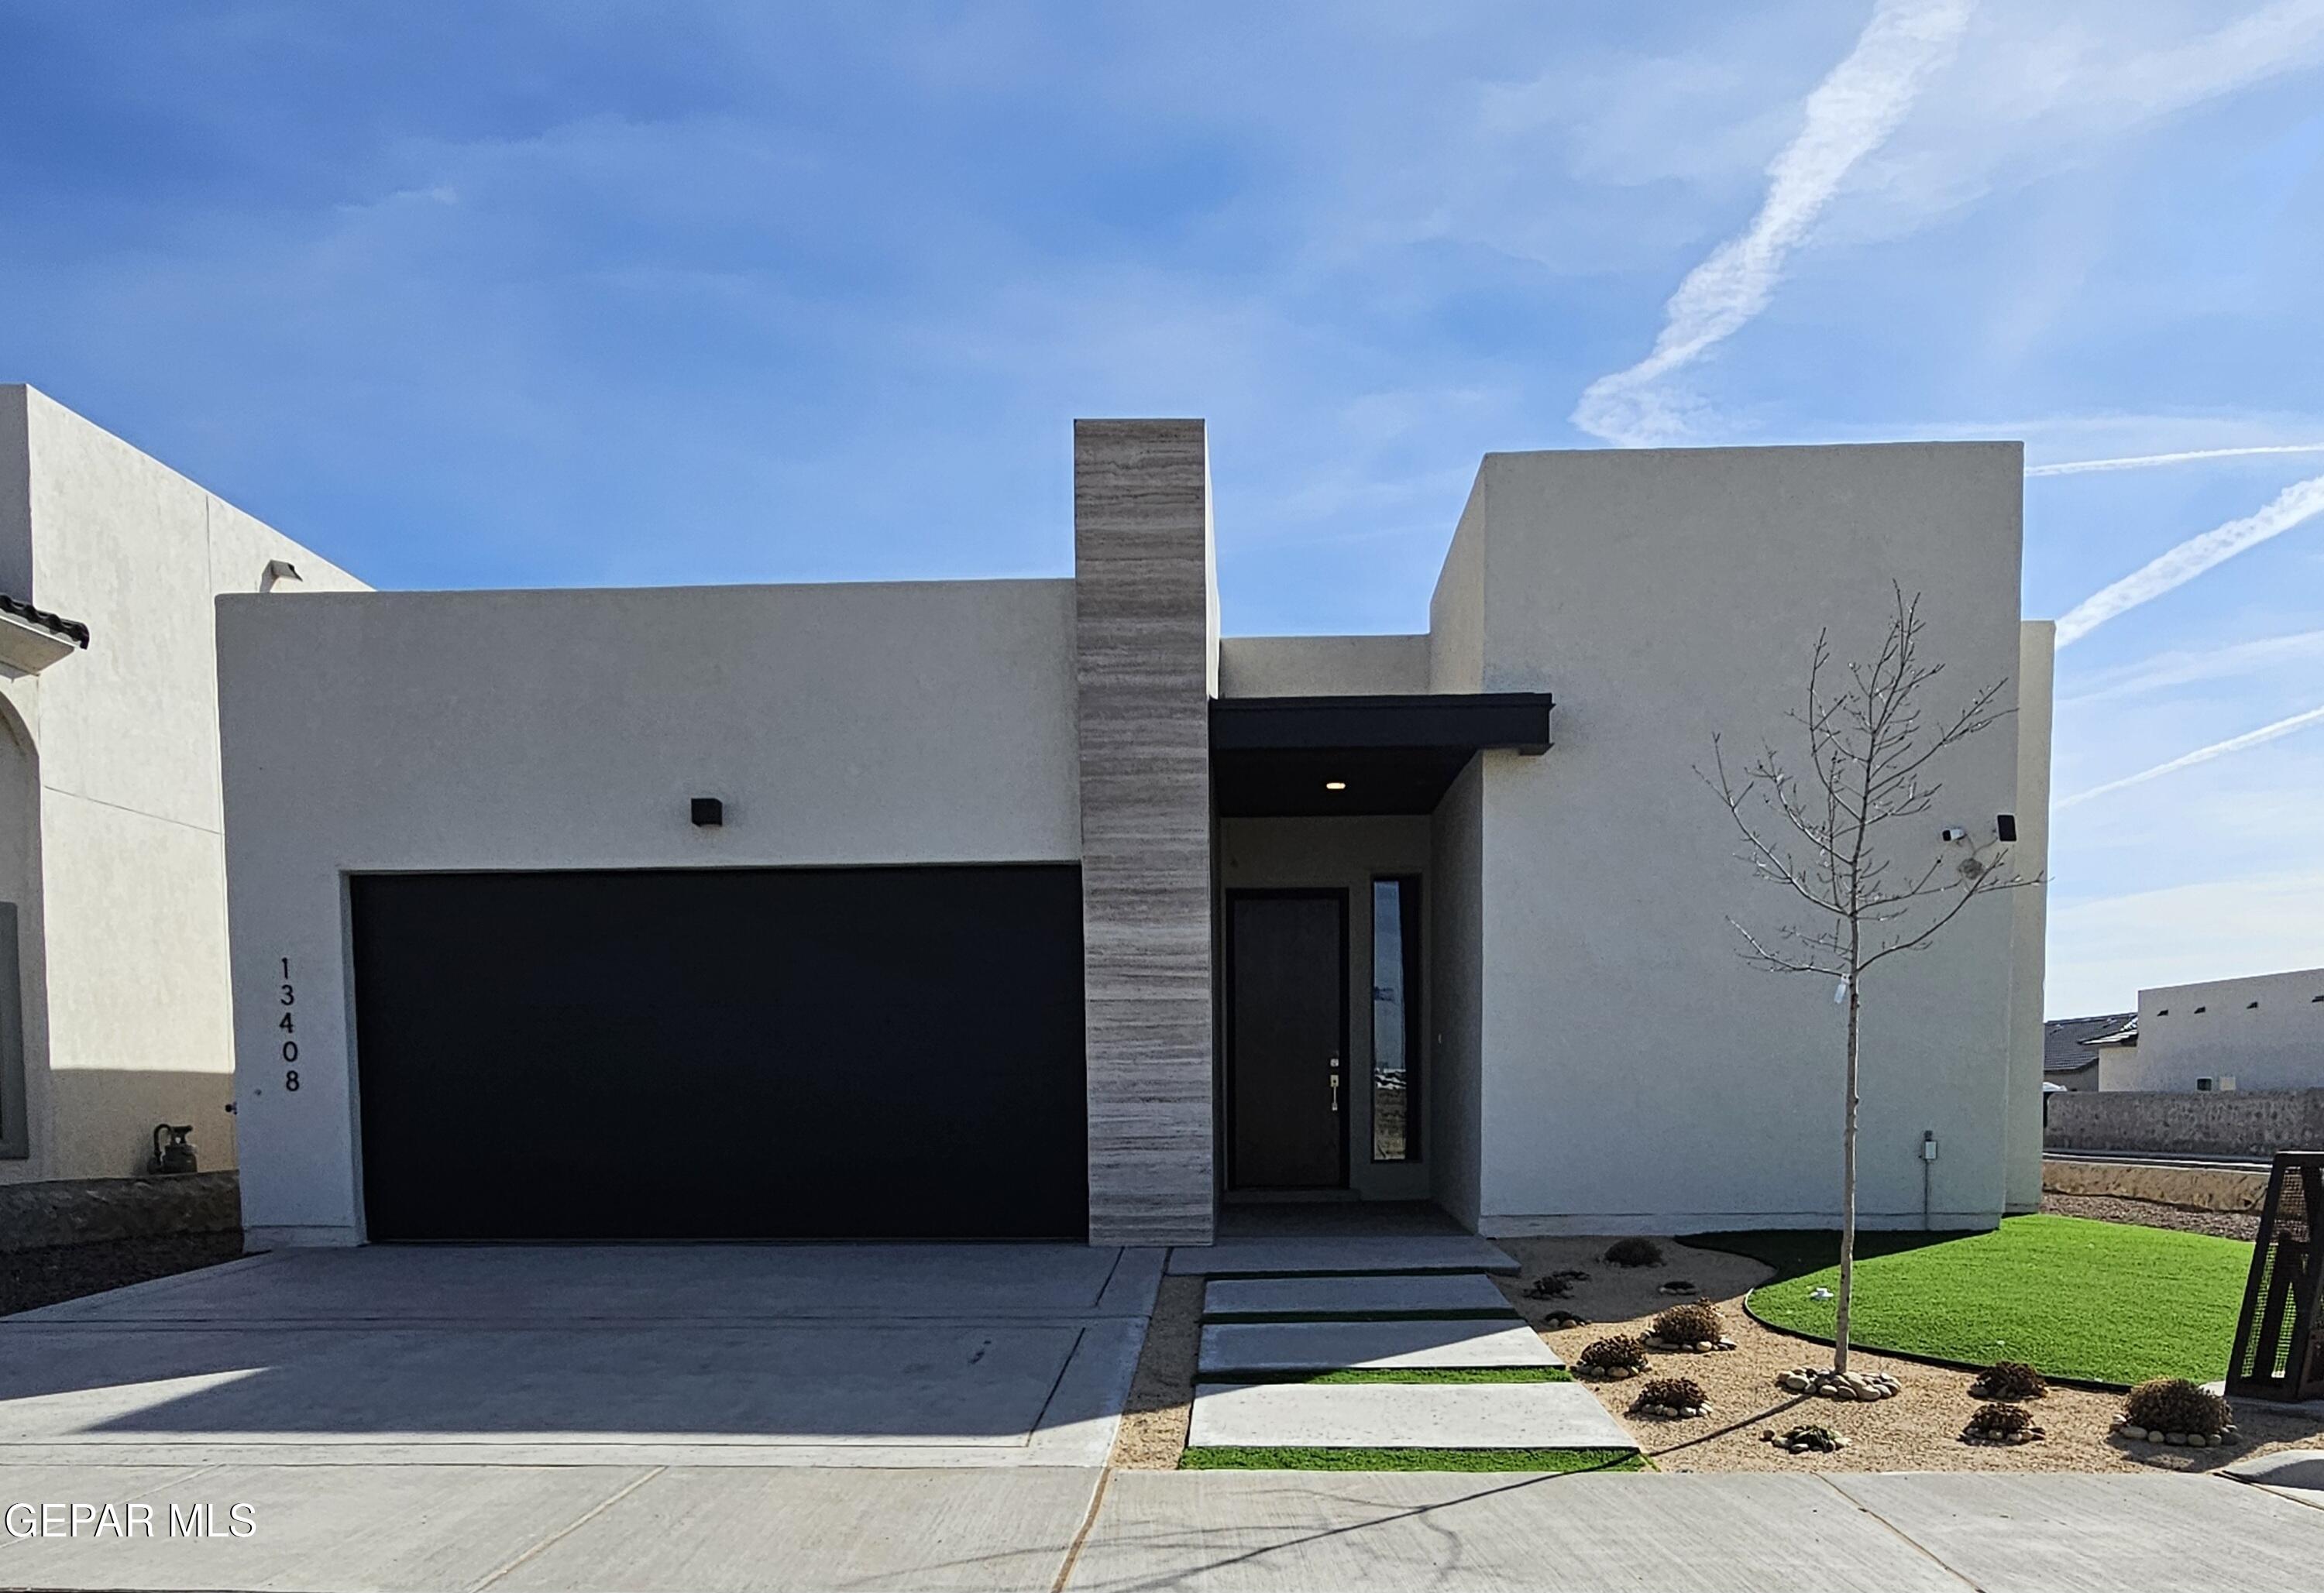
<point x="1335" y="1083"/>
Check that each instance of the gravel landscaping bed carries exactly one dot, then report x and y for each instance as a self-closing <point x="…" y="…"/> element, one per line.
<point x="1918" y="1429"/>
<point x="30" y="1279"/>
<point x="1153" y="1431"/>
<point x="2226" y="1225"/>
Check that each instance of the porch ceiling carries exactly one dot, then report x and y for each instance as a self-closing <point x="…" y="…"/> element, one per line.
<point x="1278" y="757"/>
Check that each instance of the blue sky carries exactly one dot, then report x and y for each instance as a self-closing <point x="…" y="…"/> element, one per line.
<point x="591" y="293"/>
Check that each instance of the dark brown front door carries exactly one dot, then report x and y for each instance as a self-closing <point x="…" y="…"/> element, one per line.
<point x="1287" y="1038"/>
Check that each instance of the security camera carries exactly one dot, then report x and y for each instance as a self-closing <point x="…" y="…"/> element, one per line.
<point x="1955" y="833"/>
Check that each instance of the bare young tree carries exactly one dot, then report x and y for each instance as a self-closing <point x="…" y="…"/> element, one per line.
<point x="1833" y="831"/>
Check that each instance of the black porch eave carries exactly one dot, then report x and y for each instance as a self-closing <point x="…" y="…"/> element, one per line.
<point x="1280" y="757"/>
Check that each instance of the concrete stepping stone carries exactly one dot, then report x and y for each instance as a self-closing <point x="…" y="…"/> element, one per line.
<point x="1331" y="1346"/>
<point x="1347" y="1253"/>
<point x="1402" y="1416"/>
<point x="1355" y="1296"/>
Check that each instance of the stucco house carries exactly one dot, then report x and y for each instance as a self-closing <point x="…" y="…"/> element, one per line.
<point x="1037" y="908"/>
<point x="2073" y="1048"/>
<point x="114" y="1011"/>
<point x="2258" y="1032"/>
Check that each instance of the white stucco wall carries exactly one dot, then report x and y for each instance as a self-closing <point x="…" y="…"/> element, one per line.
<point x="1456" y="921"/>
<point x="1456" y="608"/>
<point x="1635" y="1073"/>
<point x="2276" y="1045"/>
<point x="125" y="940"/>
<point x="2037" y="649"/>
<point x="903" y="723"/>
<point x="1322" y="666"/>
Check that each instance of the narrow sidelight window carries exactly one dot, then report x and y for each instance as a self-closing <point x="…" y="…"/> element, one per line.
<point x="1395" y="1020"/>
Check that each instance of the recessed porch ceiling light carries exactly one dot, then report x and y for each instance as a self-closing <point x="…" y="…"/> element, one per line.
<point x="1335" y="785"/>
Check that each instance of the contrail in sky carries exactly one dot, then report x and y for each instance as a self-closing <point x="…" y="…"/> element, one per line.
<point x="1850" y="115"/>
<point x="2165" y="671"/>
<point x="2143" y="461"/>
<point x="2297" y="503"/>
<point x="2250" y="738"/>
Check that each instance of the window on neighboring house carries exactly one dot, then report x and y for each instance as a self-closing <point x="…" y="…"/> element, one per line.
<point x="1396" y="1019"/>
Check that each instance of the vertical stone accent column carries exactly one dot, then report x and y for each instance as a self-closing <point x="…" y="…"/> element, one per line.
<point x="1143" y="647"/>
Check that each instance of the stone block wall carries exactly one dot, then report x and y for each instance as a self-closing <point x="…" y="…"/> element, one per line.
<point x="2233" y="1122"/>
<point x="88" y="1210"/>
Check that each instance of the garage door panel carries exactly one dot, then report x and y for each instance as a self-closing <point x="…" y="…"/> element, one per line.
<point x="731" y="1053"/>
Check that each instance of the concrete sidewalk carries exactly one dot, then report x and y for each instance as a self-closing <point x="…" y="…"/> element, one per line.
<point x="1799" y="1532"/>
<point x="635" y="1530"/>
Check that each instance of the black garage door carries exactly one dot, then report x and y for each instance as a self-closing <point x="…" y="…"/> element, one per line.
<point x="729" y="1053"/>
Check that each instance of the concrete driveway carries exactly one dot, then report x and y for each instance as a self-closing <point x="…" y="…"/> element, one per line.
<point x="839" y="1355"/>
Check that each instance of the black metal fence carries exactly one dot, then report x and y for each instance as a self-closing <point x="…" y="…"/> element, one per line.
<point x="2279" y="1350"/>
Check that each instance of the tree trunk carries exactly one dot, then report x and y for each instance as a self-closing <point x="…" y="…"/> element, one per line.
<point x="1848" y="1198"/>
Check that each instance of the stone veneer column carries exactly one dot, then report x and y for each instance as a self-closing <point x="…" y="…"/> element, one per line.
<point x="1143" y="650"/>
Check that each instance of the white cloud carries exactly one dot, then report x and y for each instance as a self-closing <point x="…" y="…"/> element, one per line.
<point x="2148" y="461"/>
<point x="2184" y="668"/>
<point x="2044" y="89"/>
<point x="1850" y="113"/>
<point x="2250" y="738"/>
<point x="2105" y="950"/>
<point x="2296" y="504"/>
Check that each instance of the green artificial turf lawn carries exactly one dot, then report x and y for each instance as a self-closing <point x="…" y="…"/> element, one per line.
<point x="1399" y="1375"/>
<point x="1238" y="1459"/>
<point x="2099" y="1302"/>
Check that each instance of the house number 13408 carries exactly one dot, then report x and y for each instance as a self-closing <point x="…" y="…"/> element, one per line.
<point x="289" y="1030"/>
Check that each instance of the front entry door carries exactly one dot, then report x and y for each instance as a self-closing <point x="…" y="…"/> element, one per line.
<point x="1288" y="1038"/>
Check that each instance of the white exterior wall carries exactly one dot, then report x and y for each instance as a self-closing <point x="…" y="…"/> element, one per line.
<point x="2278" y="1045"/>
<point x="843" y="725"/>
<point x="2037" y="646"/>
<point x="123" y="915"/>
<point x="1456" y="921"/>
<point x="1635" y="1073"/>
<point x="1322" y="666"/>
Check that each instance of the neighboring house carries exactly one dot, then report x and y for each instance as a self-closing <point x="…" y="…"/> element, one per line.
<point x="1035" y="908"/>
<point x="2070" y="1048"/>
<point x="114" y="1013"/>
<point x="2265" y="1032"/>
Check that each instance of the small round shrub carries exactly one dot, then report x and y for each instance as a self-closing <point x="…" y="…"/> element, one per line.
<point x="2000" y="1420"/>
<point x="1634" y="1252"/>
<point x="1551" y="1287"/>
<point x="2174" y="1405"/>
<point x="1689" y="1325"/>
<point x="1620" y="1353"/>
<point x="1683" y="1393"/>
<point x="2011" y="1380"/>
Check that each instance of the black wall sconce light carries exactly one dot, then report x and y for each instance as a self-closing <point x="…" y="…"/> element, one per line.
<point x="706" y="812"/>
<point x="2004" y="826"/>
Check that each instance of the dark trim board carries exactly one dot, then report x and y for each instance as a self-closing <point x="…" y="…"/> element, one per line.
<point x="727" y="1054"/>
<point x="1519" y="721"/>
<point x="1278" y="756"/>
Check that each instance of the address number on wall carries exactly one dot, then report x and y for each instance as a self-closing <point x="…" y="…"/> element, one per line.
<point x="288" y="1023"/>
